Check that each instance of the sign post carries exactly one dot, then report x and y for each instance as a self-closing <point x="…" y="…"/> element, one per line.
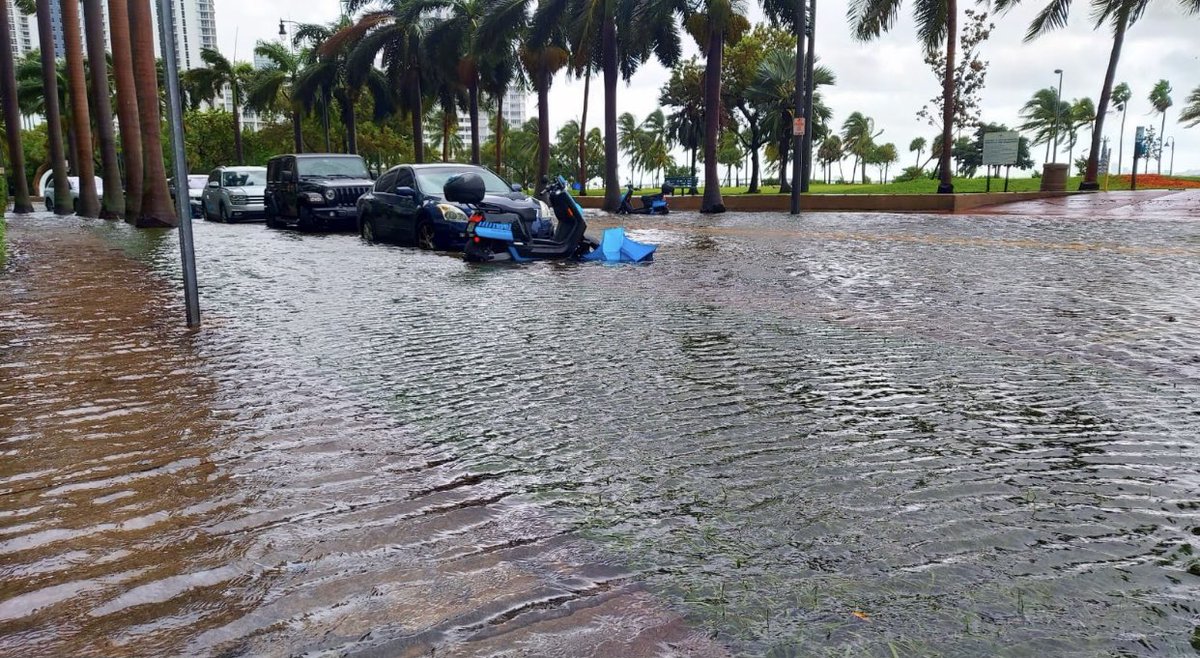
<point x="1139" y="150"/>
<point x="1000" y="148"/>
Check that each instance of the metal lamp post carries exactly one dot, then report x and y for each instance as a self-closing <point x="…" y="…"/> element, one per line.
<point x="1171" y="143"/>
<point x="1057" y="111"/>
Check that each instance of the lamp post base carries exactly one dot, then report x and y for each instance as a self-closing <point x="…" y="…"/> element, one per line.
<point x="1089" y="186"/>
<point x="945" y="188"/>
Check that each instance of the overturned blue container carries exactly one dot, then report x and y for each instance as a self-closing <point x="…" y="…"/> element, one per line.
<point x="615" y="247"/>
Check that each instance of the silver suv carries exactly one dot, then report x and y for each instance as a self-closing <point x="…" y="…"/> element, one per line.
<point x="234" y="193"/>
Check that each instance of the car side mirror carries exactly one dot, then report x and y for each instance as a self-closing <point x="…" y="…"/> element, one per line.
<point x="214" y="184"/>
<point x="406" y="191"/>
<point x="517" y="187"/>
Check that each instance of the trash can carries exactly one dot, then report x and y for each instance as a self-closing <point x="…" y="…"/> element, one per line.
<point x="1054" y="177"/>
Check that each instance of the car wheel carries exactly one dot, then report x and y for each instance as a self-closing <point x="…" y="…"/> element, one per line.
<point x="367" y="230"/>
<point x="425" y="234"/>
<point x="306" y="222"/>
<point x="75" y="206"/>
<point x="49" y="204"/>
<point x="225" y="214"/>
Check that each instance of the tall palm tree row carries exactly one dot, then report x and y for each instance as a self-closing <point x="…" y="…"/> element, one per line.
<point x="113" y="203"/>
<point x="329" y="75"/>
<point x="128" y="116"/>
<point x="156" y="209"/>
<point x="62" y="190"/>
<point x="12" y="116"/>
<point x="88" y="204"/>
<point x="1043" y="114"/>
<point x="1190" y="116"/>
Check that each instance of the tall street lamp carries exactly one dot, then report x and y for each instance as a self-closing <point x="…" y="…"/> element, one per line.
<point x="1057" y="111"/>
<point x="1171" y="143"/>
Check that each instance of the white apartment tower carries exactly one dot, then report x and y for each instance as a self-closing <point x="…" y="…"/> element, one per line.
<point x="515" y="112"/>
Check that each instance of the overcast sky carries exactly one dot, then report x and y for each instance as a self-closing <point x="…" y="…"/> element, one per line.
<point x="886" y="79"/>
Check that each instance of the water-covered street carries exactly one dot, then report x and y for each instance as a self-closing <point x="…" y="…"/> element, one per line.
<point x="865" y="435"/>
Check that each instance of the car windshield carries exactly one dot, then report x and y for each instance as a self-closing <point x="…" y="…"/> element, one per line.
<point x="253" y="178"/>
<point x="332" y="167"/>
<point x="433" y="179"/>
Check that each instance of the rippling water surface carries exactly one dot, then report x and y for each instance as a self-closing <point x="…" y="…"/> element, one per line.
<point x="849" y="435"/>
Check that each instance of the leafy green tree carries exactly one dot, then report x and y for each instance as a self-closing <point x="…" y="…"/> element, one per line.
<point x="1190" y="116"/>
<point x="210" y="82"/>
<point x="970" y="74"/>
<point x="937" y="23"/>
<point x="1160" y="98"/>
<point x="730" y="154"/>
<point x="741" y="63"/>
<point x="685" y="124"/>
<point x="1121" y="94"/>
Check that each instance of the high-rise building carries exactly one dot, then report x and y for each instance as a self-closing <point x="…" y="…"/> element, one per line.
<point x="515" y="112"/>
<point x="23" y="34"/>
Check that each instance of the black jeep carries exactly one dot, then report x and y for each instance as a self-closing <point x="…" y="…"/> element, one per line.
<point x="317" y="190"/>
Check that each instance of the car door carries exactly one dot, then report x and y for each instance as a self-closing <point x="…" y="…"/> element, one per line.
<point x="382" y="196"/>
<point x="208" y="199"/>
<point x="289" y="205"/>
<point x="405" y="205"/>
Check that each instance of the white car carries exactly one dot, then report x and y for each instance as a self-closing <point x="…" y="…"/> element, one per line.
<point x="234" y="193"/>
<point x="47" y="187"/>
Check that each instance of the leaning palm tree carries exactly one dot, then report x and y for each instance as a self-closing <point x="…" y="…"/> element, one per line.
<point x="114" y="196"/>
<point x="156" y="209"/>
<point x="331" y="73"/>
<point x="127" y="106"/>
<point x="458" y="53"/>
<point x="1082" y="113"/>
<point x="1121" y="14"/>
<point x="829" y="153"/>
<point x="937" y="23"/>
<point x="1043" y="114"/>
<point x="270" y="91"/>
<point x="858" y="136"/>
<point x="1190" y="116"/>
<point x="1121" y="94"/>
<point x="1160" y="98"/>
<point x="62" y="189"/>
<point x="209" y="83"/>
<point x="12" y="115"/>
<point x="88" y="204"/>
<point x="917" y="146"/>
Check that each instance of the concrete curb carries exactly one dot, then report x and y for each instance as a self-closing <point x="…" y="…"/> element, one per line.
<point x="924" y="203"/>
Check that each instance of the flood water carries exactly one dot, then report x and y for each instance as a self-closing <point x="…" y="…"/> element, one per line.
<point x="864" y="435"/>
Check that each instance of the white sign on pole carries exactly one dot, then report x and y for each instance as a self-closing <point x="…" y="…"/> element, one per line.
<point x="1000" y="148"/>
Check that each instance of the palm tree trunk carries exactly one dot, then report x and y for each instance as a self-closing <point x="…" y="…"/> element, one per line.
<point x="543" y="91"/>
<point x="157" y="209"/>
<point x="445" y="135"/>
<point x="325" y="100"/>
<point x="1121" y="143"/>
<point x="62" y="190"/>
<point x="1162" y="131"/>
<point x="809" y="89"/>
<point x="587" y="83"/>
<point x="499" y="130"/>
<point x="755" y="171"/>
<point x="12" y="115"/>
<point x="297" y="132"/>
<point x="946" y="186"/>
<point x="608" y="55"/>
<point x="1091" y="176"/>
<point x="418" y="117"/>
<point x="114" y="196"/>
<point x="473" y="100"/>
<point x="351" y="123"/>
<point x="237" y="125"/>
<point x="89" y="201"/>
<point x="712" y="202"/>
<point x="785" y="141"/>
<point x="127" y="106"/>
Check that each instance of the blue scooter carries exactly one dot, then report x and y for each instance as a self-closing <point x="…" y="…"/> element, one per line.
<point x="652" y="204"/>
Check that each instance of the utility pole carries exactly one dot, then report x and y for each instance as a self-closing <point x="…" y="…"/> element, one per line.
<point x="798" y="126"/>
<point x="166" y="17"/>
<point x="808" y="92"/>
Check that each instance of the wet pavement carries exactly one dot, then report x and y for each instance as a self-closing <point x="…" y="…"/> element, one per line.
<point x="878" y="435"/>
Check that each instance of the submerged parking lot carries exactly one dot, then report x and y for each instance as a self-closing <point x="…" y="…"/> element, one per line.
<point x="881" y="435"/>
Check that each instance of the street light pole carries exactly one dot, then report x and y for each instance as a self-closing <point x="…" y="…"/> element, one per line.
<point x="1057" y="112"/>
<point x="798" y="126"/>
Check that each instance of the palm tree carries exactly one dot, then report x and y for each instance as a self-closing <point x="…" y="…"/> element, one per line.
<point x="332" y="75"/>
<point x="1081" y="113"/>
<point x="937" y="22"/>
<point x="88" y="204"/>
<point x="114" y="196"/>
<point x="1160" y="98"/>
<point x="917" y="145"/>
<point x="829" y="153"/>
<point x="884" y="157"/>
<point x="773" y="88"/>
<point x="127" y="106"/>
<point x="62" y="190"/>
<point x="1190" y="116"/>
<point x="209" y="83"/>
<point x="685" y="125"/>
<point x="156" y="209"/>
<point x="271" y="90"/>
<point x="12" y="115"/>
<point x="1042" y="114"/>
<point x="1121" y="14"/>
<point x="398" y="31"/>
<point x="1121" y="94"/>
<point x="858" y="136"/>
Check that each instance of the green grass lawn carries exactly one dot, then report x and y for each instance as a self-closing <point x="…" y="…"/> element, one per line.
<point x="928" y="186"/>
